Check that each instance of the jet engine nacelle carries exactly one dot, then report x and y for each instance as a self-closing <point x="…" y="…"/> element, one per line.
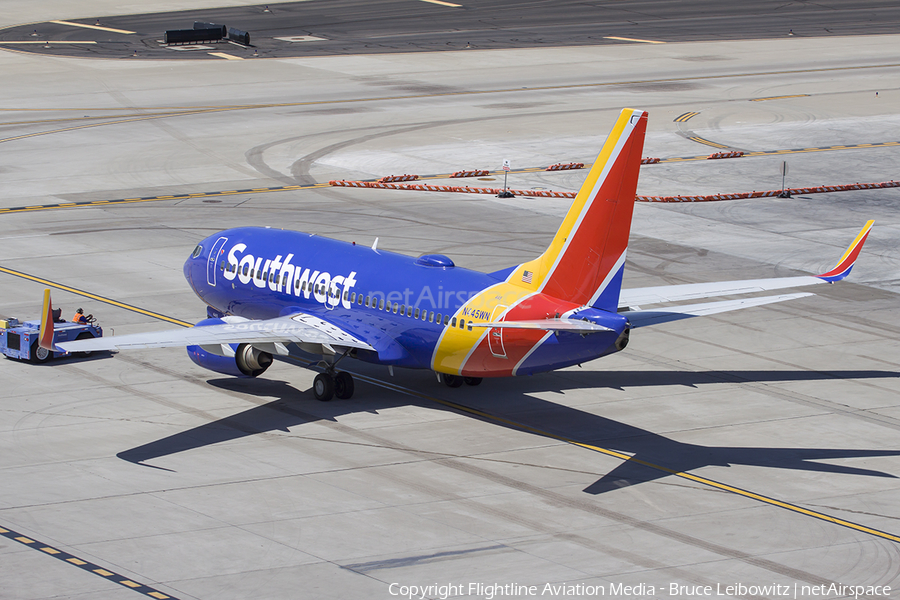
<point x="246" y="361"/>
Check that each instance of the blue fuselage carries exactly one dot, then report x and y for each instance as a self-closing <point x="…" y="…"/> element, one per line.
<point x="262" y="273"/>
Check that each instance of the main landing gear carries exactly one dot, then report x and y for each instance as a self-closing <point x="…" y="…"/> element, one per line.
<point x="331" y="383"/>
<point x="455" y="381"/>
<point x="327" y="385"/>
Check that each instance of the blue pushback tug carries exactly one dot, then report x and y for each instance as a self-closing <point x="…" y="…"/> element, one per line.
<point x="20" y="340"/>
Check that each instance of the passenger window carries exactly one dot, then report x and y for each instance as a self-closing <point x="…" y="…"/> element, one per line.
<point x="222" y="266"/>
<point x="417" y="313"/>
<point x="446" y="319"/>
<point x="402" y="310"/>
<point x="462" y="323"/>
<point x="431" y="317"/>
<point x="453" y="322"/>
<point x="367" y="301"/>
<point x="396" y="307"/>
<point x="360" y="299"/>
<point x="246" y="268"/>
<point x="380" y="304"/>
<point x="297" y="284"/>
<point x="353" y="298"/>
<point x="387" y="306"/>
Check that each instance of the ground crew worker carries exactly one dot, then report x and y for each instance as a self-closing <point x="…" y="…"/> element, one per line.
<point x="79" y="317"/>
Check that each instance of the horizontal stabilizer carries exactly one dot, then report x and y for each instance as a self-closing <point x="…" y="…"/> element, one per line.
<point x="548" y="325"/>
<point x="643" y="318"/>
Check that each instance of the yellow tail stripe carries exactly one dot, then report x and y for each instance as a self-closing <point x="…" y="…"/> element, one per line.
<point x="861" y="235"/>
<point x="541" y="266"/>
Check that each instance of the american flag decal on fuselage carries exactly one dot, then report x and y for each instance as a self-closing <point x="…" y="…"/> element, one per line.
<point x="526" y="276"/>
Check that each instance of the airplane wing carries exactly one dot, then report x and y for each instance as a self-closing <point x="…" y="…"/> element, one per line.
<point x="696" y="291"/>
<point x="299" y="328"/>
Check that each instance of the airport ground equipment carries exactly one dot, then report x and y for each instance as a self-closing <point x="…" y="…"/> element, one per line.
<point x="19" y="340"/>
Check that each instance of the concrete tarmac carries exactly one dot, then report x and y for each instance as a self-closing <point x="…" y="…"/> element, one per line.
<point x="767" y="438"/>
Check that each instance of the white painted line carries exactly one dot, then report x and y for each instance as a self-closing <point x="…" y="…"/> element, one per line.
<point x="443" y="3"/>
<point x="48" y="42"/>
<point x="301" y="38"/>
<point x="188" y="48"/>
<point x="225" y="55"/>
<point x="92" y="27"/>
<point x="611" y="37"/>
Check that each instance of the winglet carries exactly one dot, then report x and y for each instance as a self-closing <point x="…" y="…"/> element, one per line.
<point x="842" y="269"/>
<point x="46" y="339"/>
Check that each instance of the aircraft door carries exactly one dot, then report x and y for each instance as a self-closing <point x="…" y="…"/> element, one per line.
<point x="213" y="261"/>
<point x="495" y="335"/>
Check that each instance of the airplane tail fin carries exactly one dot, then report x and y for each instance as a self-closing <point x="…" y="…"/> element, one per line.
<point x="586" y="258"/>
<point x="46" y="339"/>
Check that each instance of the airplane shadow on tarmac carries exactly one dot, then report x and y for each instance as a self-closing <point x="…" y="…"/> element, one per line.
<point x="515" y="404"/>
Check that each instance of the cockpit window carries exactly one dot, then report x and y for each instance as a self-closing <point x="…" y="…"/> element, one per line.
<point x="197" y="251"/>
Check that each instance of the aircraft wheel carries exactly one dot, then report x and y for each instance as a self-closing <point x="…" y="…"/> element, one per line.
<point x="453" y="381"/>
<point x="472" y="380"/>
<point x="84" y="335"/>
<point x="343" y="385"/>
<point x="323" y="387"/>
<point x="40" y="355"/>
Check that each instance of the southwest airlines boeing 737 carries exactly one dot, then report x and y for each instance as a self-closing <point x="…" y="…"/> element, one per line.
<point x="273" y="292"/>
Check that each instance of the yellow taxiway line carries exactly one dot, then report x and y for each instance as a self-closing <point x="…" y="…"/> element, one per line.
<point x="285" y="188"/>
<point x="84" y="564"/>
<point x="778" y="97"/>
<point x="66" y="288"/>
<point x="97" y="27"/>
<point x="626" y="457"/>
